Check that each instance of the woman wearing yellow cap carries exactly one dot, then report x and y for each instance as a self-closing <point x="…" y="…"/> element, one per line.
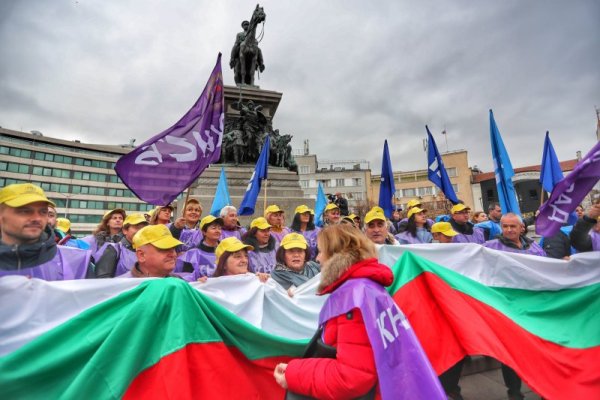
<point x="162" y="215"/>
<point x="304" y="224"/>
<point x="232" y="259"/>
<point x="276" y="218"/>
<point x="417" y="229"/>
<point x="262" y="258"/>
<point x="293" y="267"/>
<point x="108" y="231"/>
<point x="200" y="260"/>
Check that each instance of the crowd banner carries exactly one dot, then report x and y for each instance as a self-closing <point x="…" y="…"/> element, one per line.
<point x="503" y="171"/>
<point x="165" y="165"/>
<point x="261" y="171"/>
<point x="387" y="189"/>
<point x="165" y="338"/>
<point x="568" y="193"/>
<point x="436" y="172"/>
<point x="222" y="198"/>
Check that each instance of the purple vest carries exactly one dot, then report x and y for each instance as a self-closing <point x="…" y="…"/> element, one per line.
<point x="238" y="233"/>
<point x="279" y="235"/>
<point x="190" y="238"/>
<point x="68" y="263"/>
<point x="311" y="239"/>
<point x="476" y="237"/>
<point x="126" y="261"/>
<point x="533" y="249"/>
<point x="406" y="238"/>
<point x="595" y="240"/>
<point x="262" y="261"/>
<point x="202" y="261"/>
<point x="403" y="370"/>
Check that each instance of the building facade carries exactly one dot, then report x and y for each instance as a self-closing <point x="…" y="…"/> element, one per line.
<point x="78" y="177"/>
<point x="351" y="178"/>
<point x="415" y="184"/>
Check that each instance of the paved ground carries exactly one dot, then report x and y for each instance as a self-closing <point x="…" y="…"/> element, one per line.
<point x="482" y="380"/>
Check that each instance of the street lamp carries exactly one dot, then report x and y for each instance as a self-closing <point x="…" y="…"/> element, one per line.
<point x="67" y="197"/>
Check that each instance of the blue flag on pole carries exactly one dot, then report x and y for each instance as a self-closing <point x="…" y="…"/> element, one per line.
<point x="503" y="170"/>
<point x="260" y="173"/>
<point x="222" y="198"/>
<point x="436" y="170"/>
<point x="550" y="173"/>
<point x="320" y="205"/>
<point x="387" y="189"/>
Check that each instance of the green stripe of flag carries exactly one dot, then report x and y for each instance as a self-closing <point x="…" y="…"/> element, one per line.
<point x="567" y="317"/>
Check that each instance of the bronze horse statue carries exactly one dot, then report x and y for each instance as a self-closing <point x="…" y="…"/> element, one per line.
<point x="250" y="55"/>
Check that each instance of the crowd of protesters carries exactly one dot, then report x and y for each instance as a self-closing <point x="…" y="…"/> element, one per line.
<point x="37" y="244"/>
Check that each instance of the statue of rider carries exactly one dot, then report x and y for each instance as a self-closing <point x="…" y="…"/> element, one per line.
<point x="234" y="62"/>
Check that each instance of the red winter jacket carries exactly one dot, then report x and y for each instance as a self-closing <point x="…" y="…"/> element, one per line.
<point x="353" y="372"/>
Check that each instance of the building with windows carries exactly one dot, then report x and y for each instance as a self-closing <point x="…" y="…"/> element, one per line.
<point x="78" y="177"/>
<point x="416" y="184"/>
<point x="352" y="178"/>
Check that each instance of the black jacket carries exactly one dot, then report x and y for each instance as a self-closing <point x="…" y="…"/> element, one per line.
<point x="580" y="238"/>
<point x="28" y="255"/>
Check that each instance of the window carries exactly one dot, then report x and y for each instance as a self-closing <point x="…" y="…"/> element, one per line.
<point x="339" y="182"/>
<point x="357" y="182"/>
<point x="39" y="156"/>
<point x="357" y="196"/>
<point x="455" y="187"/>
<point x="48" y="157"/>
<point x="304" y="184"/>
<point x="4" y="150"/>
<point x="408" y="193"/>
<point x="451" y="172"/>
<point x="425" y="191"/>
<point x="305" y="169"/>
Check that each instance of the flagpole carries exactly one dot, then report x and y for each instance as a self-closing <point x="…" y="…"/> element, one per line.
<point x="265" y="195"/>
<point x="187" y="197"/>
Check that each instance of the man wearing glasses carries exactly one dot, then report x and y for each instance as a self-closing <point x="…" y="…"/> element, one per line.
<point x="467" y="232"/>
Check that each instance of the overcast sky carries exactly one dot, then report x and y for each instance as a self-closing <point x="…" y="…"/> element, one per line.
<point x="352" y="73"/>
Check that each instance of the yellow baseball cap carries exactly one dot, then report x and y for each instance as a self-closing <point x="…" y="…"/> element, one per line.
<point x="260" y="223"/>
<point x="109" y="213"/>
<point x="331" y="206"/>
<point x="272" y="209"/>
<point x="158" y="236"/>
<point x="134" y="219"/>
<point x="302" y="209"/>
<point x="231" y="245"/>
<point x="413" y="203"/>
<point x="293" y="241"/>
<point x="414" y="210"/>
<point x="373" y="214"/>
<point x="21" y="194"/>
<point x="458" y="207"/>
<point x="209" y="219"/>
<point x="444" y="228"/>
<point x="352" y="216"/>
<point x="63" y="224"/>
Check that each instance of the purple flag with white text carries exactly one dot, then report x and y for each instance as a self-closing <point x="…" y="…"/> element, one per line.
<point x="165" y="165"/>
<point x="568" y="193"/>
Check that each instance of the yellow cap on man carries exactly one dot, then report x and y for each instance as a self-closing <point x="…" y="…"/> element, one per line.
<point x="21" y="194"/>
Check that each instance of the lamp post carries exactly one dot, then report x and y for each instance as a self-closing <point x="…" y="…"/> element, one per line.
<point x="67" y="197"/>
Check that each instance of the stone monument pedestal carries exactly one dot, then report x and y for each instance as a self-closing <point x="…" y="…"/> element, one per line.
<point x="283" y="189"/>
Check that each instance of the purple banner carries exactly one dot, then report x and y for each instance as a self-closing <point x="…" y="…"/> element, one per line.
<point x="568" y="193"/>
<point x="403" y="370"/>
<point x="165" y="165"/>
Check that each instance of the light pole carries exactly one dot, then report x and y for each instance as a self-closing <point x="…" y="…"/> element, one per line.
<point x="67" y="197"/>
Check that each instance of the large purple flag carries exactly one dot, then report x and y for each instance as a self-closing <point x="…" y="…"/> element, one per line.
<point x="568" y="193"/>
<point x="403" y="369"/>
<point x="165" y="165"/>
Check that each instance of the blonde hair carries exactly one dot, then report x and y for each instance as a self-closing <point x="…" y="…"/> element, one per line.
<point x="344" y="238"/>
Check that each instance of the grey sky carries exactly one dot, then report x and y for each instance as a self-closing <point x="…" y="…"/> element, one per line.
<point x="352" y="73"/>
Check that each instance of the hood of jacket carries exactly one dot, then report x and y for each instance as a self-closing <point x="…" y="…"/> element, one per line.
<point x="15" y="257"/>
<point x="341" y="267"/>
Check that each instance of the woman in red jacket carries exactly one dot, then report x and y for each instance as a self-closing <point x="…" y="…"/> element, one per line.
<point x="345" y="254"/>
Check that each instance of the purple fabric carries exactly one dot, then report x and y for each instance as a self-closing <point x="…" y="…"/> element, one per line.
<point x="406" y="238"/>
<point x="166" y="164"/>
<point x="127" y="259"/>
<point x="279" y="235"/>
<point x="191" y="238"/>
<point x="311" y="239"/>
<point x="202" y="261"/>
<point x="262" y="261"/>
<point x="68" y="263"/>
<point x="595" y="240"/>
<point x="476" y="237"/>
<point x="534" y="248"/>
<point x="569" y="193"/>
<point x="238" y="233"/>
<point x="403" y="369"/>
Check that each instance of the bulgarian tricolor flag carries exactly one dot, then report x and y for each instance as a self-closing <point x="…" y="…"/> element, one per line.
<point x="165" y="338"/>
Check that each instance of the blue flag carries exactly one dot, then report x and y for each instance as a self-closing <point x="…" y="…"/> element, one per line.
<point x="260" y="173"/>
<point x="503" y="170"/>
<point x="436" y="170"/>
<point x="320" y="205"/>
<point x="387" y="189"/>
<point x="222" y="198"/>
<point x="550" y="173"/>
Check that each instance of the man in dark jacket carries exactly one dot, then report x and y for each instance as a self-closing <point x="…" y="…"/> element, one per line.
<point x="585" y="235"/>
<point x="27" y="245"/>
